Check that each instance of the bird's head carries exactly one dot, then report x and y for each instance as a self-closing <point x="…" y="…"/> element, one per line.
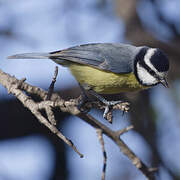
<point x="151" y="67"/>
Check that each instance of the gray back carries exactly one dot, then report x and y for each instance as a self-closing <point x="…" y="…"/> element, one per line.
<point x="117" y="58"/>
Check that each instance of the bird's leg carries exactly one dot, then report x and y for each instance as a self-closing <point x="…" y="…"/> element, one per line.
<point x="108" y="104"/>
<point x="84" y="99"/>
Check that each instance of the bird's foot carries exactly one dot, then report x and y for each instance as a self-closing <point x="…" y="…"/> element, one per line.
<point x="110" y="105"/>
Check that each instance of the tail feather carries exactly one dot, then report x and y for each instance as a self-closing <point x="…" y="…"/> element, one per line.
<point x="30" y="56"/>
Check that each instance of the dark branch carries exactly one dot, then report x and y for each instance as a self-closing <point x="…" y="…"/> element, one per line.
<point x="100" y="136"/>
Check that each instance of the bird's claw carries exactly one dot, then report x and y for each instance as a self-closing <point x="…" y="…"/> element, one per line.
<point x="109" y="104"/>
<point x="106" y="112"/>
<point x="108" y="107"/>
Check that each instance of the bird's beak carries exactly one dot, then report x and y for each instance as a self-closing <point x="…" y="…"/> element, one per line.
<point x="164" y="83"/>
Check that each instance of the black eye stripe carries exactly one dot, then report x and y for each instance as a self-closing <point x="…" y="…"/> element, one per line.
<point x="144" y="65"/>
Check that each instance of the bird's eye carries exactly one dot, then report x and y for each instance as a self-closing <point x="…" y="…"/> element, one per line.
<point x="152" y="72"/>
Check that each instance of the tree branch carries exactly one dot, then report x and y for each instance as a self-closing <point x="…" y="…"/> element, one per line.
<point x="13" y="86"/>
<point x="16" y="87"/>
<point x="101" y="140"/>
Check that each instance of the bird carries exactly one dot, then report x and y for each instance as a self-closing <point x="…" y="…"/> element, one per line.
<point x="110" y="68"/>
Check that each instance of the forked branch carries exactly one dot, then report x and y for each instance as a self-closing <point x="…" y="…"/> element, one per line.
<point x="18" y="87"/>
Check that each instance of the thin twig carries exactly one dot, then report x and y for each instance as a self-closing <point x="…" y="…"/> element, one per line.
<point x="122" y="131"/>
<point x="49" y="111"/>
<point x="51" y="87"/>
<point x="100" y="136"/>
<point x="123" y="147"/>
<point x="50" y="115"/>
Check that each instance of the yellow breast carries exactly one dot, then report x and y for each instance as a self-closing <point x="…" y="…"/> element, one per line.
<point x="104" y="82"/>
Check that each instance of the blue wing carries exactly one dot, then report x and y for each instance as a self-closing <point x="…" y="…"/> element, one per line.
<point x="117" y="58"/>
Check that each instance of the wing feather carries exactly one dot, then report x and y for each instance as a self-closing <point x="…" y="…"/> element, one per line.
<point x="117" y="58"/>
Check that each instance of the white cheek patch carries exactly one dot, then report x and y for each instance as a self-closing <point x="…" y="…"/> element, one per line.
<point x="145" y="76"/>
<point x="147" y="57"/>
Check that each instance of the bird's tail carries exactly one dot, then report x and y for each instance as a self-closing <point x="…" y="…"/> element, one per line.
<point x="31" y="56"/>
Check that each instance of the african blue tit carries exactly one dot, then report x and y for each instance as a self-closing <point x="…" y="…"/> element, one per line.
<point x="110" y="68"/>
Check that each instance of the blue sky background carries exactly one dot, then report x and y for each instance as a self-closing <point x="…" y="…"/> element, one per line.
<point x="43" y="26"/>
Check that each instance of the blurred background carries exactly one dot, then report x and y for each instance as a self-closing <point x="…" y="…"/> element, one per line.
<point x="27" y="149"/>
